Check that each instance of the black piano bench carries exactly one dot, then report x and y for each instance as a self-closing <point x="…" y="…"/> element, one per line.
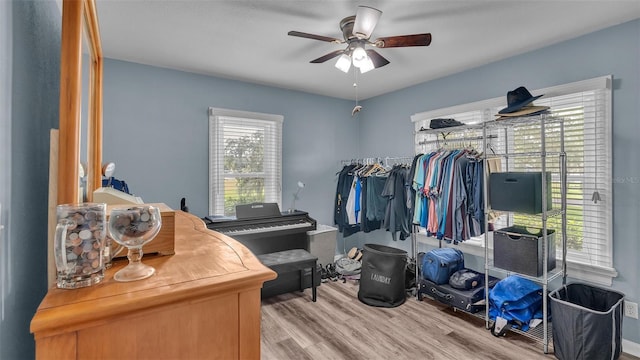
<point x="292" y="260"/>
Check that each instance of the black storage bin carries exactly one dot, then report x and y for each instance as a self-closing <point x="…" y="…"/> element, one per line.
<point x="518" y="249"/>
<point x="587" y="322"/>
<point x="518" y="191"/>
<point x="382" y="278"/>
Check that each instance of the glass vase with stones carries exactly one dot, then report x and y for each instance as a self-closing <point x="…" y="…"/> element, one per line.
<point x="79" y="244"/>
<point x="133" y="227"/>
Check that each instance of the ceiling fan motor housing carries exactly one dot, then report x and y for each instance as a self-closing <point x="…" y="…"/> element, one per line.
<point x="346" y="25"/>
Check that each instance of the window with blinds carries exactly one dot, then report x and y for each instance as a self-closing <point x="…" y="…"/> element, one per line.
<point x="245" y="159"/>
<point x="587" y="143"/>
<point x="585" y="107"/>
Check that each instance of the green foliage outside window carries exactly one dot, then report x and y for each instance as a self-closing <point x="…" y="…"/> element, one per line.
<point x="243" y="170"/>
<point x="527" y="140"/>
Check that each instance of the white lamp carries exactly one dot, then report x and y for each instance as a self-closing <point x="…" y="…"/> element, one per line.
<point x="296" y="196"/>
<point x="344" y="63"/>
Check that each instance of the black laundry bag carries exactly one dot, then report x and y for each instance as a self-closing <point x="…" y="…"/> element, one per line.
<point x="587" y="322"/>
<point x="382" y="278"/>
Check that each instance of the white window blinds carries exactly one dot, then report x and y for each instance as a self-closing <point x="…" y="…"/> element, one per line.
<point x="586" y="108"/>
<point x="245" y="159"/>
<point x="587" y="141"/>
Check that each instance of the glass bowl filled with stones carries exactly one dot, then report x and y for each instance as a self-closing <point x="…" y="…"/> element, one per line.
<point x="133" y="227"/>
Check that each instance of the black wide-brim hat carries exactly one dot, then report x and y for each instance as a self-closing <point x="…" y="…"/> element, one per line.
<point x="528" y="110"/>
<point x="518" y="98"/>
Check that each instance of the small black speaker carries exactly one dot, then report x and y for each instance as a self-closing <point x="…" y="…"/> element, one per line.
<point x="183" y="205"/>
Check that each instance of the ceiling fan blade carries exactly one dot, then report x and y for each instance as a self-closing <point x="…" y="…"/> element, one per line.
<point x="326" y="57"/>
<point x="377" y="59"/>
<point x="366" y="20"/>
<point x="314" y="37"/>
<point x="403" y="41"/>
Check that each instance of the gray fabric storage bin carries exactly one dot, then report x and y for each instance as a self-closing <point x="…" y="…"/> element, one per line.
<point x="519" y="248"/>
<point x="587" y="322"/>
<point x="382" y="278"/>
<point x="519" y="191"/>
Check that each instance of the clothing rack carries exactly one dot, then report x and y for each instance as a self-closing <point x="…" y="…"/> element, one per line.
<point x="457" y="142"/>
<point x="386" y="161"/>
<point x="363" y="161"/>
<point x="444" y="139"/>
<point x="390" y="161"/>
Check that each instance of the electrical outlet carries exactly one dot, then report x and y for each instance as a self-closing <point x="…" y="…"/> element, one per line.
<point x="630" y="309"/>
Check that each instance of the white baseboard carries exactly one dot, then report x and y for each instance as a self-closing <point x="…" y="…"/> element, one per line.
<point x="631" y="348"/>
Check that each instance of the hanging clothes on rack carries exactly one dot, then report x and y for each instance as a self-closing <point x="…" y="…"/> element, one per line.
<point x="373" y="204"/>
<point x="343" y="189"/>
<point x="376" y="204"/>
<point x="359" y="204"/>
<point x="397" y="190"/>
<point x="412" y="191"/>
<point x="449" y="202"/>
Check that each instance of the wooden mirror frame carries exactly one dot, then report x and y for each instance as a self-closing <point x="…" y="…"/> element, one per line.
<point x="79" y="16"/>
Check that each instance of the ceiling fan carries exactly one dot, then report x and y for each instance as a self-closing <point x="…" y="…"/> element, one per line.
<point x="356" y="31"/>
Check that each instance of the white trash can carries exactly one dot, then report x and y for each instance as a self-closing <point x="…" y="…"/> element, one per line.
<point x="322" y="243"/>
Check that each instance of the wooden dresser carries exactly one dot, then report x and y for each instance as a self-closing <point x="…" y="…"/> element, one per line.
<point x="202" y="303"/>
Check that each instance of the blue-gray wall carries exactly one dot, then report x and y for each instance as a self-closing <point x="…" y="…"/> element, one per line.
<point x="6" y="51"/>
<point x="156" y="131"/>
<point x="35" y="49"/>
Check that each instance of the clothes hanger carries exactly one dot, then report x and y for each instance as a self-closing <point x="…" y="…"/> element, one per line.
<point x="375" y="168"/>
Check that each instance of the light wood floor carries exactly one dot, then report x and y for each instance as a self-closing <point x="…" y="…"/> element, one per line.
<point x="339" y="326"/>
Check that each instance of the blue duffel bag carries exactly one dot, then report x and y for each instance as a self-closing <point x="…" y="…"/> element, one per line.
<point x="517" y="301"/>
<point x="439" y="264"/>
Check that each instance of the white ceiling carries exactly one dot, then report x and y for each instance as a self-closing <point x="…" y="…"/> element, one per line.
<point x="247" y="39"/>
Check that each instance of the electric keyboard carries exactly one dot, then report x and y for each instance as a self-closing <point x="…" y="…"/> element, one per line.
<point x="256" y="229"/>
<point x="263" y="231"/>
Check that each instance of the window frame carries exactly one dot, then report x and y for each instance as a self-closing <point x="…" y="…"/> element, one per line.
<point x="272" y="173"/>
<point x="575" y="268"/>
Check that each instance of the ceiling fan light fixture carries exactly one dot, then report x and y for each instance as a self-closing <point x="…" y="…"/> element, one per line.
<point x="343" y="63"/>
<point x="358" y="56"/>
<point x="356" y="32"/>
<point x="366" y="65"/>
<point x="366" y="20"/>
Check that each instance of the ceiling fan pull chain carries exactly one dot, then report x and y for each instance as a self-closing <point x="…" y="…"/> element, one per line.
<point x="355" y="85"/>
